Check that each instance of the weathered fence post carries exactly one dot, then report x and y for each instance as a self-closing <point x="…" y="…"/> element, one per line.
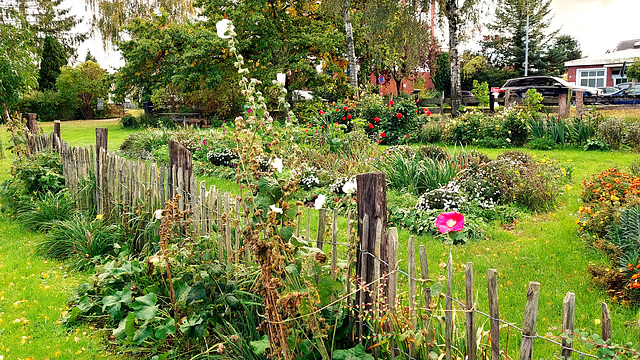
<point x="56" y="128"/>
<point x="32" y="123"/>
<point x="393" y="282"/>
<point x="179" y="156"/>
<point x="102" y="134"/>
<point x="563" y="109"/>
<point x="372" y="203"/>
<point x="606" y="323"/>
<point x="494" y="312"/>
<point x="568" y="320"/>
<point x="507" y="98"/>
<point x="424" y="272"/>
<point x="472" y="346"/>
<point x="413" y="318"/>
<point x="529" y="322"/>
<point x="492" y="105"/>
<point x="579" y="104"/>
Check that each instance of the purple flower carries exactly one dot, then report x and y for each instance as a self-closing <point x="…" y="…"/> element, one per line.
<point x="204" y="142"/>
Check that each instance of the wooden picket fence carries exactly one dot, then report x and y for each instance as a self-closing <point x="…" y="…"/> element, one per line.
<point x="143" y="186"/>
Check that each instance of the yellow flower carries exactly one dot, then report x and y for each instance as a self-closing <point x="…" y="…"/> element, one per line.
<point x="597" y="321"/>
<point x="99" y="217"/>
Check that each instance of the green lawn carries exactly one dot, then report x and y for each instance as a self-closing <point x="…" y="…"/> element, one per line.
<point x="545" y="248"/>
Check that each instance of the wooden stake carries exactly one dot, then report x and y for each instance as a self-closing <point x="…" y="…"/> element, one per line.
<point x="568" y="319"/>
<point x="529" y="322"/>
<point x="606" y="323"/>
<point x="494" y="312"/>
<point x="472" y="346"/>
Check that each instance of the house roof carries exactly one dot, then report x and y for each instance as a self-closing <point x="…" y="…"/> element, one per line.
<point x="627" y="44"/>
<point x="610" y="59"/>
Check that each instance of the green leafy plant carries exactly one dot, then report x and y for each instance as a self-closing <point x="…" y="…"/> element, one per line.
<point x="40" y="214"/>
<point x="481" y="92"/>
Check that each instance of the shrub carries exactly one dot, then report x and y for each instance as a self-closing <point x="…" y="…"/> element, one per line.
<point x="431" y="132"/>
<point x="48" y="104"/>
<point x="465" y="129"/>
<point x="40" y="173"/>
<point x="41" y="213"/>
<point x="129" y="121"/>
<point x="602" y="196"/>
<point x="81" y="240"/>
<point x="611" y="132"/>
<point x="541" y="144"/>
<point x="225" y="157"/>
<point x="632" y="136"/>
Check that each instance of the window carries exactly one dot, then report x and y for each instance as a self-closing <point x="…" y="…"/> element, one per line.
<point x="592" y="77"/>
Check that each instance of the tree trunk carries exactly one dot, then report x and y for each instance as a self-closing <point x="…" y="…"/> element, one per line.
<point x="453" y="17"/>
<point x="6" y="113"/>
<point x="353" y="66"/>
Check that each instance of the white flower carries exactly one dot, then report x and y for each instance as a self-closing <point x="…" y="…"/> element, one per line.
<point x="320" y="200"/>
<point x="222" y="27"/>
<point x="276" y="163"/>
<point x="275" y="209"/>
<point x="158" y="214"/>
<point x="350" y="186"/>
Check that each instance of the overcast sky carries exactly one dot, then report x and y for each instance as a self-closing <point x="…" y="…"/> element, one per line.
<point x="597" y="24"/>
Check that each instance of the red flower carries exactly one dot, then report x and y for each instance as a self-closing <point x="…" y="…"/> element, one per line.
<point x="343" y="118"/>
<point x="449" y="221"/>
<point x="383" y="134"/>
<point x="379" y="140"/>
<point x="370" y="126"/>
<point x="310" y="125"/>
<point x="399" y="115"/>
<point x="406" y="136"/>
<point x="427" y="112"/>
<point x="345" y="108"/>
<point x="391" y="102"/>
<point x="337" y="110"/>
<point x="348" y="116"/>
<point x="321" y="112"/>
<point x="377" y="119"/>
<point x="346" y="101"/>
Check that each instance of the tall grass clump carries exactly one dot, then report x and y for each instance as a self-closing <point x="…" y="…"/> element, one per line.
<point x="80" y="240"/>
<point x="40" y="214"/>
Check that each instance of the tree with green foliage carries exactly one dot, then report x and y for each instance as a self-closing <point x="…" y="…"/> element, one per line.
<point x="475" y="67"/>
<point x="633" y="70"/>
<point x="45" y="18"/>
<point x="394" y="40"/>
<point x="460" y="17"/>
<point x="17" y="63"/>
<point x="562" y="49"/>
<point x="278" y="36"/>
<point x="507" y="49"/>
<point x="441" y="76"/>
<point x="53" y="58"/>
<point x="177" y="65"/>
<point x="83" y="84"/>
<point x="113" y="16"/>
<point x="90" y="57"/>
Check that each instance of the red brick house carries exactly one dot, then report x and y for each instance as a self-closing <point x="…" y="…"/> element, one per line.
<point x="605" y="69"/>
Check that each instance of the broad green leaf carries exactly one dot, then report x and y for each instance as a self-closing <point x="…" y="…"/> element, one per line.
<point x="167" y="328"/>
<point x="142" y="334"/>
<point x="125" y="328"/>
<point x="286" y="233"/>
<point x="259" y="346"/>
<point x="436" y="289"/>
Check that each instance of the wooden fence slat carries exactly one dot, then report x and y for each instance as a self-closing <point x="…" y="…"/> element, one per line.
<point x="334" y="245"/>
<point x="362" y="293"/>
<point x="322" y="219"/>
<point x="606" y="323"/>
<point x="424" y="273"/>
<point x="309" y="224"/>
<point x="568" y="320"/>
<point x="529" y="322"/>
<point x="411" y="262"/>
<point x="219" y="223"/>
<point x="393" y="283"/>
<point x="227" y="229"/>
<point x="377" y="267"/>
<point x="448" y="320"/>
<point x="237" y="232"/>
<point x="298" y="220"/>
<point x="472" y="346"/>
<point x="494" y="312"/>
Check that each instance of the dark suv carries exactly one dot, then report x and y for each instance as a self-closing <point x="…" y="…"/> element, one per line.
<point x="549" y="87"/>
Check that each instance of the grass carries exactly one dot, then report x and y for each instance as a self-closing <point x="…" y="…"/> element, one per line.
<point x="33" y="297"/>
<point x="545" y="248"/>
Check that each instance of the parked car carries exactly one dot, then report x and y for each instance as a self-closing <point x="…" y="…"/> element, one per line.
<point x="550" y="87"/>
<point x="627" y="96"/>
<point x="608" y="89"/>
<point x="469" y="99"/>
<point x="624" y="85"/>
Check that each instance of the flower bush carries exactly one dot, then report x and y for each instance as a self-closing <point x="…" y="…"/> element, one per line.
<point x="603" y="196"/>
